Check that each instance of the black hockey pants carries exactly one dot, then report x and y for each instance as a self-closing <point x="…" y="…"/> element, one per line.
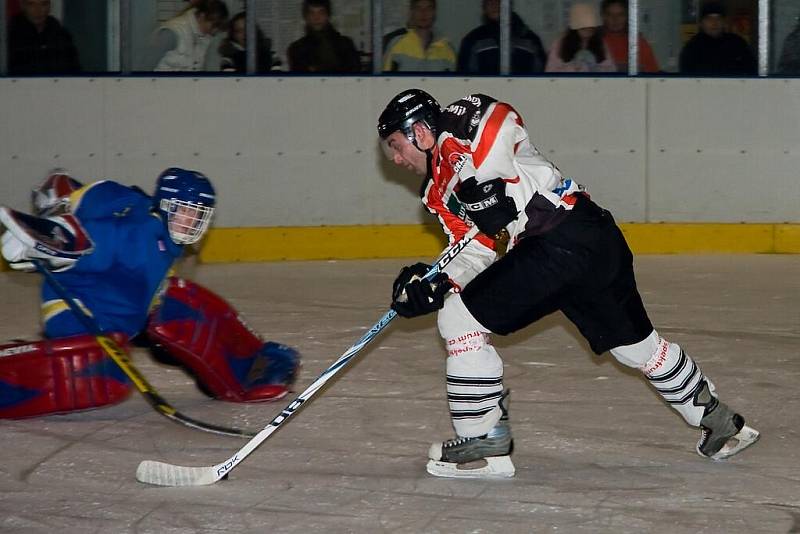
<point x="582" y="267"/>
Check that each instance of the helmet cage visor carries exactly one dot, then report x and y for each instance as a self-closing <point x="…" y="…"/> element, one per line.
<point x="186" y="221"/>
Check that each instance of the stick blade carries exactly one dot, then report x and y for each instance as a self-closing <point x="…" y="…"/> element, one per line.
<point x="163" y="474"/>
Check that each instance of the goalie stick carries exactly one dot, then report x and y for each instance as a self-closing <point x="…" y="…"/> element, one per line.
<point x="121" y="358"/>
<point x="164" y="474"/>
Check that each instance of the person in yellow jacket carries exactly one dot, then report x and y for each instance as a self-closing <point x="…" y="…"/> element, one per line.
<point x="416" y="48"/>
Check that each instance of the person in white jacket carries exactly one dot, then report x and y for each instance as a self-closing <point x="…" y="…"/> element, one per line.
<point x="182" y="42"/>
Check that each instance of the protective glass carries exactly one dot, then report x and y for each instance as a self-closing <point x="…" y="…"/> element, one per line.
<point x="186" y="221"/>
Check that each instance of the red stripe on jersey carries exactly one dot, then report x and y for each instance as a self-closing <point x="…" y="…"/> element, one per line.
<point x="486" y="241"/>
<point x="490" y="131"/>
<point x="434" y="195"/>
<point x="433" y="198"/>
<point x="455" y="226"/>
<point x="449" y="147"/>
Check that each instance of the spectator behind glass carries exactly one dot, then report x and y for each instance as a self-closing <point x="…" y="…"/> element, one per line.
<point x="581" y="48"/>
<point x="714" y="51"/>
<point x="480" y="49"/>
<point x="790" y="55"/>
<point x="231" y="55"/>
<point x="416" y="48"/>
<point x="322" y="50"/>
<point x="38" y="43"/>
<point x="182" y="42"/>
<point x="615" y="36"/>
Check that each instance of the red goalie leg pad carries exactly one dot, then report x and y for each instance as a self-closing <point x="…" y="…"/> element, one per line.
<point x="59" y="376"/>
<point x="231" y="362"/>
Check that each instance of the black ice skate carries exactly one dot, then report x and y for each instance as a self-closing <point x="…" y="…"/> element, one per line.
<point x="449" y="459"/>
<point x="722" y="431"/>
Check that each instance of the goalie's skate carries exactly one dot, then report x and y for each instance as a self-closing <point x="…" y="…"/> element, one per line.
<point x="462" y="457"/>
<point x="723" y="433"/>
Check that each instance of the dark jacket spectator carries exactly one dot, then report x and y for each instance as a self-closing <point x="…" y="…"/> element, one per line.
<point x="480" y="48"/>
<point x="714" y="51"/>
<point x="43" y="49"/>
<point x="233" y="49"/>
<point x="728" y="55"/>
<point x="323" y="49"/>
<point x="790" y="55"/>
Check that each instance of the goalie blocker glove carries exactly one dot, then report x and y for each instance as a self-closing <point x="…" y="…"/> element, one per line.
<point x="57" y="241"/>
<point x="487" y="204"/>
<point x="413" y="295"/>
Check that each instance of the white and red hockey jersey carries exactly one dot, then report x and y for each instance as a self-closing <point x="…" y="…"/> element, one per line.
<point x="483" y="138"/>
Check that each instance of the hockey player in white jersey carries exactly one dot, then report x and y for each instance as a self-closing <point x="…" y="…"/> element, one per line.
<point x="565" y="253"/>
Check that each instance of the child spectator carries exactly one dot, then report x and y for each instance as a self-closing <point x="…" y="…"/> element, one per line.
<point x="581" y="48"/>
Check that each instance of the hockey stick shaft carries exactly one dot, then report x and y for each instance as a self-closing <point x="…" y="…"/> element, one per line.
<point x="122" y="359"/>
<point x="163" y="474"/>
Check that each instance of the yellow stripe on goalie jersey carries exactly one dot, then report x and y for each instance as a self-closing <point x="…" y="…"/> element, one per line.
<point x="76" y="196"/>
<point x="51" y="308"/>
<point x="162" y="288"/>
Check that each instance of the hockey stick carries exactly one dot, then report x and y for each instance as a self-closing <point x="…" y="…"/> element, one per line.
<point x="121" y="358"/>
<point x="164" y="474"/>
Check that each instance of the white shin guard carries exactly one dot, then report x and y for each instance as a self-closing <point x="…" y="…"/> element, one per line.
<point x="474" y="371"/>
<point x="675" y="376"/>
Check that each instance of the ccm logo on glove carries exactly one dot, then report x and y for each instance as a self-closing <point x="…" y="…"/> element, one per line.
<point x="487" y="204"/>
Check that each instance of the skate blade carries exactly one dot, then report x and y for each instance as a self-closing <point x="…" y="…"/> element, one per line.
<point x="496" y="467"/>
<point x="746" y="437"/>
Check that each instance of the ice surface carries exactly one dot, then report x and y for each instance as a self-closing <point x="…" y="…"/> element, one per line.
<point x="596" y="450"/>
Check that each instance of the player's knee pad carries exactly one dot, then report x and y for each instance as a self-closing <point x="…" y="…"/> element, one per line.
<point x="59" y="376"/>
<point x="474" y="371"/>
<point x="229" y="361"/>
<point x="673" y="373"/>
<point x="638" y="354"/>
<point x="454" y="319"/>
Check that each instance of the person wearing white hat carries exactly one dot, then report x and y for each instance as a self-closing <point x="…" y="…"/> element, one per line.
<point x="581" y="48"/>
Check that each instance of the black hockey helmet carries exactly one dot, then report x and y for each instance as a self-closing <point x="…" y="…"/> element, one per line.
<point x="408" y="107"/>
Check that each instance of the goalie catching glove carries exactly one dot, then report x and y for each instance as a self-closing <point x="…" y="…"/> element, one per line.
<point x="57" y="241"/>
<point x="413" y="295"/>
<point x="488" y="205"/>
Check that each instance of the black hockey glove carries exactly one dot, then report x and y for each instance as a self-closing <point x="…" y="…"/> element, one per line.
<point x="487" y="204"/>
<point x="413" y="296"/>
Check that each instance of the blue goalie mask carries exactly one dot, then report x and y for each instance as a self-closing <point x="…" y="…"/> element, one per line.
<point x="186" y="199"/>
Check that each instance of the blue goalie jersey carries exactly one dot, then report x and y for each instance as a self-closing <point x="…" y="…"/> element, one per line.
<point x="118" y="281"/>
